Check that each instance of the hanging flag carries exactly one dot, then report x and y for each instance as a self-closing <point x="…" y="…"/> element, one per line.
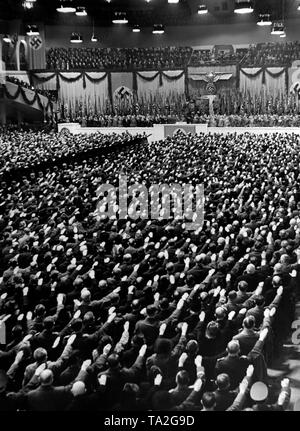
<point x="37" y="50"/>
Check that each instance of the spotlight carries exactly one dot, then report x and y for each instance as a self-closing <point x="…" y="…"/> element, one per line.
<point x="136" y="29"/>
<point x="278" y="28"/>
<point x="6" y="38"/>
<point x="66" y="7"/>
<point x="81" y="11"/>
<point x="120" y="18"/>
<point x="202" y="9"/>
<point x="32" y="30"/>
<point x="264" y="20"/>
<point x="158" y="29"/>
<point x="76" y="38"/>
<point x="94" y="38"/>
<point x="243" y="7"/>
<point x="173" y="1"/>
<point x="28" y="4"/>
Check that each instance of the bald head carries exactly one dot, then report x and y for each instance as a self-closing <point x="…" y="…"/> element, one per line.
<point x="233" y="348"/>
<point x="46" y="378"/>
<point x="78" y="389"/>
<point x="250" y="268"/>
<point x="85" y="295"/>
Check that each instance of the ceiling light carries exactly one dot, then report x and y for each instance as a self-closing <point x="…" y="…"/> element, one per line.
<point x="32" y="30"/>
<point x="76" y="38"/>
<point x="264" y="20"/>
<point x="202" y="9"/>
<point x="136" y="29"/>
<point x="66" y="7"/>
<point x="173" y="1"/>
<point x="277" y="28"/>
<point x="28" y="4"/>
<point x="6" y="38"/>
<point x="158" y="29"/>
<point x="243" y="7"/>
<point x="81" y="11"/>
<point x="120" y="18"/>
<point x="94" y="38"/>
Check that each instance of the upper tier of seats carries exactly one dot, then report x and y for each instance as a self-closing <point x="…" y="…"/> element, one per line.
<point x="262" y="54"/>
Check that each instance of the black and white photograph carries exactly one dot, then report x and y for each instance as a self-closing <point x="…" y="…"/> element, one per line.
<point x="149" y="210"/>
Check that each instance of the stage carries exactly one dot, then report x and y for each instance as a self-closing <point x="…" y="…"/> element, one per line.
<point x="155" y="133"/>
<point x="161" y="131"/>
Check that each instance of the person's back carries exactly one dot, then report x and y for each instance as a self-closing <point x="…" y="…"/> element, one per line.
<point x="248" y="336"/>
<point x="224" y="396"/>
<point x="247" y="341"/>
<point x="148" y="327"/>
<point x="178" y="395"/>
<point x="233" y="364"/>
<point x="47" y="397"/>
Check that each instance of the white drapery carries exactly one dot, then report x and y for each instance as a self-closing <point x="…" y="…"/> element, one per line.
<point x="147" y="89"/>
<point x="160" y="86"/>
<point x="93" y="96"/>
<point x="275" y="86"/>
<point x="46" y="85"/>
<point x="172" y="87"/>
<point x="255" y="80"/>
<point x="251" y="84"/>
<point x="71" y="93"/>
<point x="96" y="94"/>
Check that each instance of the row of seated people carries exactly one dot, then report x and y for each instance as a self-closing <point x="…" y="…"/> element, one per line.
<point x="24" y="84"/>
<point x="218" y="120"/>
<point x="263" y="54"/>
<point x="117" y="58"/>
<point x="142" y="313"/>
<point x="272" y="54"/>
<point x="204" y="57"/>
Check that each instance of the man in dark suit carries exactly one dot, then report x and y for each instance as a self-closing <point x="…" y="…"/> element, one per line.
<point x="46" y="397"/>
<point x="248" y="336"/>
<point x="149" y="327"/>
<point x="233" y="364"/>
<point x="224" y="396"/>
<point x="258" y="311"/>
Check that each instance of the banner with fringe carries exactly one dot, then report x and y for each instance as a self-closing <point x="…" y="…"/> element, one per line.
<point x="20" y="91"/>
<point x="273" y="79"/>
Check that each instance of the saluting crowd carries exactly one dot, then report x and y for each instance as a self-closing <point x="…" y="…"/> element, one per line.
<point x="101" y="313"/>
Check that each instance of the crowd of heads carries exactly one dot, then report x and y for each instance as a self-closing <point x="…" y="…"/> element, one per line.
<point x="192" y="117"/>
<point x="258" y="55"/>
<point x="118" y="58"/>
<point x="272" y="54"/>
<point x="103" y="313"/>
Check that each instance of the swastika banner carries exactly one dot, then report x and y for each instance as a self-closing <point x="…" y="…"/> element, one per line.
<point x="37" y="51"/>
<point x="36" y="42"/>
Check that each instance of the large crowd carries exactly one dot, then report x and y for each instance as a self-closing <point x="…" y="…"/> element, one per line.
<point x="258" y="55"/>
<point x="118" y="58"/>
<point x="140" y="313"/>
<point x="272" y="54"/>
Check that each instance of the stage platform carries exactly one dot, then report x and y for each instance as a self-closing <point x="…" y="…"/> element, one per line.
<point x="161" y="131"/>
<point x="155" y="133"/>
